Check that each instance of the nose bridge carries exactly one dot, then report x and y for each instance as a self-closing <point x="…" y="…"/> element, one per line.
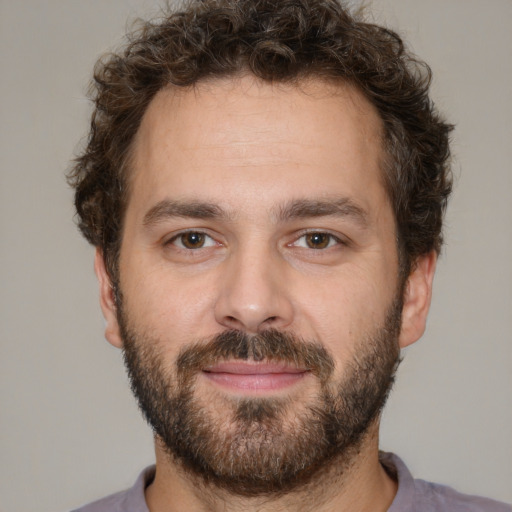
<point x="252" y="294"/>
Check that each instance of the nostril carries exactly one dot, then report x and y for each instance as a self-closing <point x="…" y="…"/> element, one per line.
<point x="232" y="322"/>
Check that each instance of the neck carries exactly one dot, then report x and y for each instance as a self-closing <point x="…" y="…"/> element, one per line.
<point x="358" y="483"/>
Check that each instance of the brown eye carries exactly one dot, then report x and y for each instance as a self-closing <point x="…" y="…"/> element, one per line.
<point x="318" y="240"/>
<point x="192" y="240"/>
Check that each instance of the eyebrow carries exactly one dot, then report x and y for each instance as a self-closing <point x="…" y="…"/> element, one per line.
<point x="342" y="207"/>
<point x="295" y="209"/>
<point x="170" y="208"/>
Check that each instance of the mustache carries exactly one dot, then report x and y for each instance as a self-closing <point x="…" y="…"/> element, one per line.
<point x="270" y="345"/>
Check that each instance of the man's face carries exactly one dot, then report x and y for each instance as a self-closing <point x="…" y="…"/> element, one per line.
<point x="258" y="270"/>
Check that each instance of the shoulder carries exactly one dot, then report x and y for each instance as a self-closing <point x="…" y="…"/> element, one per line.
<point x="112" y="503"/>
<point x="416" y="495"/>
<point x="432" y="496"/>
<point x="131" y="500"/>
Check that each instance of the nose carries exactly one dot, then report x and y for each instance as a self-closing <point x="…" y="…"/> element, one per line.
<point x="253" y="293"/>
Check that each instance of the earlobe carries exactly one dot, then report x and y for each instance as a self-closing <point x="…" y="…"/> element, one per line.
<point x="107" y="301"/>
<point x="417" y="296"/>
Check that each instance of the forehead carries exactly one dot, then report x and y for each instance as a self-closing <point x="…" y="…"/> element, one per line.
<point x="247" y="137"/>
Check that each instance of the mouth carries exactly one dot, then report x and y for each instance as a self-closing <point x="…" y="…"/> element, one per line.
<point x="254" y="377"/>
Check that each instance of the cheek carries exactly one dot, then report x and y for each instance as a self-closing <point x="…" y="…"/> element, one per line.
<point x="345" y="307"/>
<point x="169" y="306"/>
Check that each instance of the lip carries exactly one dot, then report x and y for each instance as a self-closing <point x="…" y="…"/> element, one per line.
<point x="254" y="377"/>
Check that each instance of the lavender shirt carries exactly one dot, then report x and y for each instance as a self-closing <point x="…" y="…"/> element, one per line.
<point x="412" y="496"/>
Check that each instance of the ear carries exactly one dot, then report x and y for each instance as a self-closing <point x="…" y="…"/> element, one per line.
<point x="107" y="301"/>
<point x="418" y="292"/>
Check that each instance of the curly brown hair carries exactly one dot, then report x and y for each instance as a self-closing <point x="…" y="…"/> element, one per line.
<point x="276" y="41"/>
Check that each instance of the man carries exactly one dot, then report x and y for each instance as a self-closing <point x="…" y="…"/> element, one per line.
<point x="265" y="184"/>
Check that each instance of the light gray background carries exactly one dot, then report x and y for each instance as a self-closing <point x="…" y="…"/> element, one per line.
<point x="69" y="429"/>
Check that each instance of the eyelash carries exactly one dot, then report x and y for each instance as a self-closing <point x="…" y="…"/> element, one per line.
<point x="332" y="240"/>
<point x="176" y="238"/>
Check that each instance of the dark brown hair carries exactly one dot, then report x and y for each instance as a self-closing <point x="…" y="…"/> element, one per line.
<point x="277" y="41"/>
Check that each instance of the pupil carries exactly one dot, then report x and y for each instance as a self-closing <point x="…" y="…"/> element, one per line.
<point x="318" y="240"/>
<point x="193" y="240"/>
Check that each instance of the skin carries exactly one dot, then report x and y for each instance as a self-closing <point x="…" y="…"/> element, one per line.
<point x="251" y="150"/>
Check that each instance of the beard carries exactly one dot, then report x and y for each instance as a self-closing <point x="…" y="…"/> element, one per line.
<point x="262" y="446"/>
